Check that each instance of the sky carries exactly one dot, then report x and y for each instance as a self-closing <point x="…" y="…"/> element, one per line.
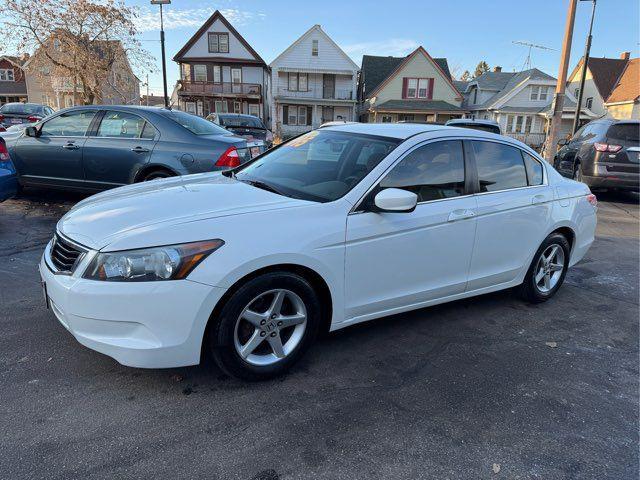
<point x="463" y="31"/>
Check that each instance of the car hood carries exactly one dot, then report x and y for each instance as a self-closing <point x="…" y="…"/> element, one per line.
<point x="145" y="208"/>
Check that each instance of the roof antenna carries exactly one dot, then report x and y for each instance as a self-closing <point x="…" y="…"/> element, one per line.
<point x="527" y="62"/>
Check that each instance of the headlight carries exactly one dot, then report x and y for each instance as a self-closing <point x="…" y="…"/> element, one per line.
<point x="172" y="262"/>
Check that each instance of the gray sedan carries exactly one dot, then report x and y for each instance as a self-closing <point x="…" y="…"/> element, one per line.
<point x="95" y="148"/>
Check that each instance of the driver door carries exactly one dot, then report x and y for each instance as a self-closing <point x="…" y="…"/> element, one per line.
<point x="54" y="157"/>
<point x="398" y="261"/>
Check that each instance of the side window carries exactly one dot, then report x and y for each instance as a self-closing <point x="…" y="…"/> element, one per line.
<point x="432" y="172"/>
<point x="148" y="132"/>
<point x="71" y="124"/>
<point x="500" y="167"/>
<point x="121" y="125"/>
<point x="534" y="169"/>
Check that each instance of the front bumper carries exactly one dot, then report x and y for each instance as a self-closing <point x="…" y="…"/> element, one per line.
<point x="139" y="324"/>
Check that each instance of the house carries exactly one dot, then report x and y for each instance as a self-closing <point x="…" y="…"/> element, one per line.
<point x="220" y="72"/>
<point x="412" y="88"/>
<point x="602" y="75"/>
<point x="152" y="100"/>
<point x="53" y="86"/>
<point x="520" y="102"/>
<point x="624" y="100"/>
<point x="313" y="81"/>
<point x="13" y="85"/>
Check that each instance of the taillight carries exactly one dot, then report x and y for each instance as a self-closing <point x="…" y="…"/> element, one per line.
<point x="4" y="153"/>
<point x="2" y="129"/>
<point x="33" y="119"/>
<point x="592" y="199"/>
<point x="230" y="158"/>
<point x="604" y="147"/>
<point x="1" y="118"/>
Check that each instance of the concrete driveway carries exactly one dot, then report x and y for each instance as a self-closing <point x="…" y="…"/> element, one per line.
<point x="483" y="388"/>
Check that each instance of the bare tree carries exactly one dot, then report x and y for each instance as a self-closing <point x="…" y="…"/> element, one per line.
<point x="481" y="68"/>
<point x="466" y="76"/>
<point x="81" y="41"/>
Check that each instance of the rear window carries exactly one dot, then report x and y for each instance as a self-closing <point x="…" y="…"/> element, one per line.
<point x="241" y="122"/>
<point x="478" y="126"/>
<point x="500" y="167"/>
<point x="196" y="125"/>
<point x="624" y="133"/>
<point x="21" y="108"/>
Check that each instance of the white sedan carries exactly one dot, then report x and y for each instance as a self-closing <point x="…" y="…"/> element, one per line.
<point x="338" y="226"/>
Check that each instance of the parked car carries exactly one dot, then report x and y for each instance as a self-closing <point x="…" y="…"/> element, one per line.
<point x="20" y="113"/>
<point x="490" y="126"/>
<point x="603" y="154"/>
<point x="335" y="227"/>
<point x="246" y="126"/>
<point x="99" y="147"/>
<point x="8" y="178"/>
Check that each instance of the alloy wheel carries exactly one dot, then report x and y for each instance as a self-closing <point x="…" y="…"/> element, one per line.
<point x="270" y="327"/>
<point x="549" y="268"/>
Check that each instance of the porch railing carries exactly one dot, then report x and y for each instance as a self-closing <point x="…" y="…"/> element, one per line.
<point x="317" y="94"/>
<point x="225" y="88"/>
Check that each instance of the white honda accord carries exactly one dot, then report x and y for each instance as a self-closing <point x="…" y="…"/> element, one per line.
<point x="338" y="226"/>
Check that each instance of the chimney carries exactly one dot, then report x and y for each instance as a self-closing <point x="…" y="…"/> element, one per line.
<point x="497" y="69"/>
<point x="625" y="55"/>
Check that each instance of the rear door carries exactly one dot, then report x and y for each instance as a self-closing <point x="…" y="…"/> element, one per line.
<point x="55" y="156"/>
<point x="514" y="209"/>
<point x="120" y="145"/>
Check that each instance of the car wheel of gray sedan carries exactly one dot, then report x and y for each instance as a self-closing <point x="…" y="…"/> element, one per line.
<point x="266" y="326"/>
<point x="547" y="270"/>
<point x="155" y="175"/>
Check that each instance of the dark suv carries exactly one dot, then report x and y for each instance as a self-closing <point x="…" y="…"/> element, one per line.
<point x="603" y="154"/>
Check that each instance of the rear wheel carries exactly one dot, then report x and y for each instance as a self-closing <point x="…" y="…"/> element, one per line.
<point x="156" y="174"/>
<point x="548" y="269"/>
<point x="266" y="326"/>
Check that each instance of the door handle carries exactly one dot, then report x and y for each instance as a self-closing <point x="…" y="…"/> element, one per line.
<point x="71" y="146"/>
<point x="461" y="215"/>
<point x="140" y="150"/>
<point x="538" y="199"/>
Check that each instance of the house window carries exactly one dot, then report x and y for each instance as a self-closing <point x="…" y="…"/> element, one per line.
<point x="254" y="109"/>
<point x="200" y="73"/>
<point x="190" y="107"/>
<point x="544" y="93"/>
<point x="589" y="103"/>
<point x="539" y="92"/>
<point x="237" y="107"/>
<point x="186" y="71"/>
<point x="509" y="123"/>
<point x="418" y="88"/>
<point x="406" y="118"/>
<point x="218" y="42"/>
<point x="217" y="74"/>
<point x="6" y="75"/>
<point x="298" y="82"/>
<point x="302" y="115"/>
<point x="220" y="106"/>
<point x="475" y="96"/>
<point x="293" y="82"/>
<point x="534" y="92"/>
<point x="314" y="48"/>
<point x="302" y="82"/>
<point x="386" y="119"/>
<point x="293" y="116"/>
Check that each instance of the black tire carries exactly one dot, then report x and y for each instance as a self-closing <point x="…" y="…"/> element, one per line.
<point x="156" y="174"/>
<point x="221" y="340"/>
<point x="529" y="289"/>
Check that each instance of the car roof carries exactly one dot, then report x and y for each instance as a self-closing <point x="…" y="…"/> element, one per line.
<point x="472" y="121"/>
<point x="394" y="130"/>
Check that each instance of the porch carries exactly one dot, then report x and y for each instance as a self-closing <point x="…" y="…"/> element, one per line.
<point x="296" y="118"/>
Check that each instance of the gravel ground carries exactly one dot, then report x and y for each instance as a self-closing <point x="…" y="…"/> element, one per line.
<point x="482" y="388"/>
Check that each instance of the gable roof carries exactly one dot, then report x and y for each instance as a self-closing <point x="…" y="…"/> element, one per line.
<point x="461" y="85"/>
<point x="316" y="28"/>
<point x="627" y="88"/>
<point x="203" y="29"/>
<point x="605" y="73"/>
<point x="515" y="79"/>
<point x="17" y="61"/>
<point x="388" y="67"/>
<point x="493" y="80"/>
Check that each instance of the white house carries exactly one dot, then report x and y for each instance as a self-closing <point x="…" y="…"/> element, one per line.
<point x="312" y="82"/>
<point x="520" y="102"/>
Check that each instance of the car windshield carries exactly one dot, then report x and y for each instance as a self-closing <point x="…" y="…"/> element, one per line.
<point x="321" y="166"/>
<point x="242" y="122"/>
<point x="20" y="108"/>
<point x="196" y="125"/>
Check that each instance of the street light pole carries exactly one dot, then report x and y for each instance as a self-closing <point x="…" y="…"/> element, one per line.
<point x="585" y="63"/>
<point x="164" y="61"/>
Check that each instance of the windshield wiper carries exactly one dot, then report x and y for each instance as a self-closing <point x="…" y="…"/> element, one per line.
<point x="264" y="186"/>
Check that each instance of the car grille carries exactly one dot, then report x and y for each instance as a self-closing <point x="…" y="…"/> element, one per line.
<point x="64" y="255"/>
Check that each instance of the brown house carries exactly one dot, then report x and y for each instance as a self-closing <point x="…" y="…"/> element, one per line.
<point x="220" y="72"/>
<point x="13" y="85"/>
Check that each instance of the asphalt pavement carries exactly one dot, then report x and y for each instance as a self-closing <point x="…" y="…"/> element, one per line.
<point x="489" y="387"/>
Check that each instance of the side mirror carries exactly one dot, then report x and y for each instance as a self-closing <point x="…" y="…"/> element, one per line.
<point x="562" y="142"/>
<point x="395" y="200"/>
<point x="31" y="132"/>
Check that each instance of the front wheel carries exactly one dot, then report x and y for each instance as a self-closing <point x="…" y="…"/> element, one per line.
<point x="266" y="326"/>
<point x="547" y="270"/>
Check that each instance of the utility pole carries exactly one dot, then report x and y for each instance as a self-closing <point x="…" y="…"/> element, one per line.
<point x="585" y="63"/>
<point x="147" y="89"/>
<point x="164" y="61"/>
<point x="558" y="101"/>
